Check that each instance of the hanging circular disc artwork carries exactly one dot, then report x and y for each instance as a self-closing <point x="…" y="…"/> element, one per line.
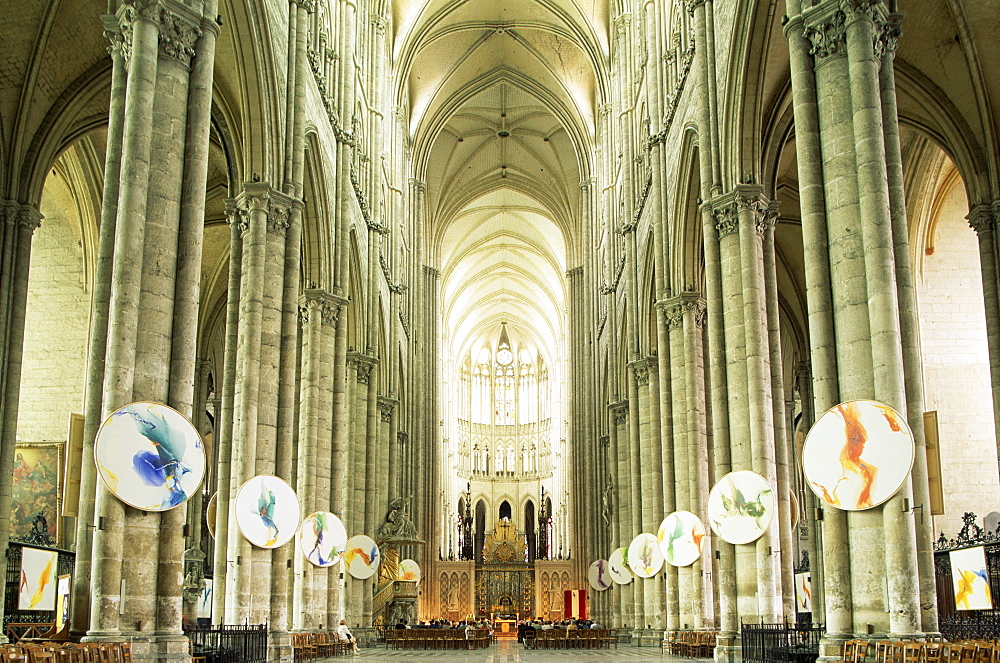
<point x="644" y="556"/>
<point x="599" y="575"/>
<point x="679" y="537"/>
<point x="322" y="538"/>
<point x="362" y="556"/>
<point x="618" y="567"/>
<point x="150" y="456"/>
<point x="409" y="571"/>
<point x="740" y="507"/>
<point x="857" y="455"/>
<point x="267" y="511"/>
<point x="211" y="513"/>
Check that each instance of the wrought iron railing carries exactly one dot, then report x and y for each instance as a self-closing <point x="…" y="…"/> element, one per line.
<point x="781" y="643"/>
<point x="957" y="624"/>
<point x="240" y="643"/>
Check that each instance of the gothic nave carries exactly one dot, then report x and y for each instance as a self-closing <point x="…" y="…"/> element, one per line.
<point x="500" y="284"/>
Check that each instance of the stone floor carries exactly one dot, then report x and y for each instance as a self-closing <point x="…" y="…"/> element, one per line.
<point x="509" y="651"/>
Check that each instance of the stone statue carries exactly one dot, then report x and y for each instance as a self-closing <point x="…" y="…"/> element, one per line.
<point x="397" y="525"/>
<point x="606" y="503"/>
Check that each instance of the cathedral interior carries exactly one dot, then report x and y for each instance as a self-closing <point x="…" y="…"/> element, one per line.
<point x="500" y="284"/>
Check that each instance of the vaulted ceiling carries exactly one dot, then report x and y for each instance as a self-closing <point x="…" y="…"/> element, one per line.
<point x="502" y="98"/>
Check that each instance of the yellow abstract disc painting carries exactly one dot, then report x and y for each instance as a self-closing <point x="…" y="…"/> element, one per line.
<point x="409" y="571"/>
<point x="644" y="556"/>
<point x="362" y="556"/>
<point x="857" y="455"/>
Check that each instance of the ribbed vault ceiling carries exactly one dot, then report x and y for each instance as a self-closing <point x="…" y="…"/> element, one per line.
<point x="501" y="97"/>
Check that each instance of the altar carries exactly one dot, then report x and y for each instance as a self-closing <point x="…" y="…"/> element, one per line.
<point x="504" y="626"/>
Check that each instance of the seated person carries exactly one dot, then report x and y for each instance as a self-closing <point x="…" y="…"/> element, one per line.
<point x="345" y="636"/>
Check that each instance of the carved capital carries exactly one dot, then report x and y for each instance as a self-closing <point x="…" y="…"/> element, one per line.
<point x="318" y="302"/>
<point x="673" y="315"/>
<point x="146" y="10"/>
<point x="803" y="370"/>
<point x="730" y="207"/>
<point x="620" y="411"/>
<point x="178" y="37"/>
<point x="640" y="371"/>
<point x="277" y="219"/>
<point x="887" y="34"/>
<point x="692" y="5"/>
<point x="308" y="5"/>
<point x="363" y="364"/>
<point x="28" y="218"/>
<point x="386" y="406"/>
<point x="827" y="35"/>
<point x="981" y="219"/>
<point x="403" y="438"/>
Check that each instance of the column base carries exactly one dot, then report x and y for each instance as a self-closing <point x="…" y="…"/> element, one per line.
<point x="279" y="646"/>
<point x="728" y="648"/>
<point x="831" y="646"/>
<point x="649" y="637"/>
<point x="170" y="648"/>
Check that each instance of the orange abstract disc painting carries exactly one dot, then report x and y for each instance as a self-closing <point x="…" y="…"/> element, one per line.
<point x="858" y="455"/>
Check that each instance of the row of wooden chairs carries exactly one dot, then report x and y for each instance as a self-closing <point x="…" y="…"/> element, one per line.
<point x="436" y="638"/>
<point x="578" y="638"/>
<point x="67" y="652"/>
<point x="693" y="644"/>
<point x="310" y="646"/>
<point x="903" y="651"/>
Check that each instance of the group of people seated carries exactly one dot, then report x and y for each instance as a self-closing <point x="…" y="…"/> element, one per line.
<point x="546" y="625"/>
<point x="470" y="625"/>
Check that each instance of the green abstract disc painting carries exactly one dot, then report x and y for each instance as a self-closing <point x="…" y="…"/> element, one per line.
<point x="267" y="511"/>
<point x="322" y="538"/>
<point x="740" y="507"/>
<point x="680" y="536"/>
<point x="644" y="556"/>
<point x="618" y="567"/>
<point x="150" y="456"/>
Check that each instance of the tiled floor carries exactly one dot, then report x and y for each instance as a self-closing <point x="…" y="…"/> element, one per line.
<point x="509" y="651"/>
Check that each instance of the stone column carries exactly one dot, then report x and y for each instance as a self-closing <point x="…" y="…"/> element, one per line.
<point x="782" y="451"/>
<point x="909" y="324"/>
<point x="224" y="429"/>
<point x="673" y="312"/>
<point x="142" y="24"/>
<point x="665" y="387"/>
<point x="97" y="345"/>
<point x="694" y="380"/>
<point x="19" y="223"/>
<point x="305" y="476"/>
<point x="983" y="220"/>
<point x="834" y="560"/>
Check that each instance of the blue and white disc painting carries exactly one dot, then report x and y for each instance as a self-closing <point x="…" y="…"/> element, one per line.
<point x="150" y="456"/>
